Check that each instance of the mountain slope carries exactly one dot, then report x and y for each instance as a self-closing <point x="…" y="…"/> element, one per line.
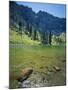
<point x="43" y="21"/>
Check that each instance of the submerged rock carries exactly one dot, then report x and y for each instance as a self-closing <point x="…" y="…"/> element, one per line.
<point x="25" y="73"/>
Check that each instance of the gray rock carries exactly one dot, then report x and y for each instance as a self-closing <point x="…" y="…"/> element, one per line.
<point x="56" y="68"/>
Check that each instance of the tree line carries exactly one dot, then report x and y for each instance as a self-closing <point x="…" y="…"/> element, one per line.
<point x="35" y="34"/>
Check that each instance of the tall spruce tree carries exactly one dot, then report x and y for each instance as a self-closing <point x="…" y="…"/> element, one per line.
<point x="50" y="38"/>
<point x="35" y="34"/>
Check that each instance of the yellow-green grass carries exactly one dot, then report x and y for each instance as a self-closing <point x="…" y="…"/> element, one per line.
<point x="39" y="58"/>
<point x="16" y="38"/>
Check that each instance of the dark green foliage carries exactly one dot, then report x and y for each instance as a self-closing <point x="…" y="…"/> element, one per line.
<point x="20" y="29"/>
<point x="44" y="38"/>
<point x="58" y="40"/>
<point x="50" y="38"/>
<point x="30" y="30"/>
<point x="35" y="35"/>
<point x="27" y="29"/>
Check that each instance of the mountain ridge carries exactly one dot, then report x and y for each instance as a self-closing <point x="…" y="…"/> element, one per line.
<point x="42" y="19"/>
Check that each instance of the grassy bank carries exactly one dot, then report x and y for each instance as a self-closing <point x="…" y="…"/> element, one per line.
<point x="42" y="59"/>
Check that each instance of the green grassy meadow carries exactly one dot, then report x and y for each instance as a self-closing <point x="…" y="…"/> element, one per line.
<point x="41" y="58"/>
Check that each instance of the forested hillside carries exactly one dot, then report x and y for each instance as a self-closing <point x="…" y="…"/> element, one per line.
<point x="39" y="26"/>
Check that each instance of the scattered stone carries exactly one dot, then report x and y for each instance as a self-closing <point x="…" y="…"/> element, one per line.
<point x="56" y="68"/>
<point x="37" y="85"/>
<point x="26" y="84"/>
<point x="36" y="80"/>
